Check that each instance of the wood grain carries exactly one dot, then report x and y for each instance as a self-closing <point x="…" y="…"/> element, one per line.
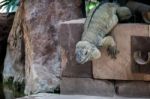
<point x="120" y="69"/>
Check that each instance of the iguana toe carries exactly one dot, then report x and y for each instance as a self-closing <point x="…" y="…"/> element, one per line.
<point x="112" y="51"/>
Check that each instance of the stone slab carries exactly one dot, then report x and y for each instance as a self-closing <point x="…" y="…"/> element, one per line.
<point x="133" y="88"/>
<point x="55" y="96"/>
<point x="120" y="69"/>
<point x="69" y="34"/>
<point x="86" y="86"/>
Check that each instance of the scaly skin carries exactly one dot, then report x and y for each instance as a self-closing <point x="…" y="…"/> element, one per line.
<point x="98" y="25"/>
<point x="102" y="22"/>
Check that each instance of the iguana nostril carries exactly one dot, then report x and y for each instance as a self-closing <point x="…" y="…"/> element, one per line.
<point x="85" y="53"/>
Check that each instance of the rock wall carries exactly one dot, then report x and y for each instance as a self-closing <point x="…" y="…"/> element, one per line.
<point x="42" y="61"/>
<point x="14" y="60"/>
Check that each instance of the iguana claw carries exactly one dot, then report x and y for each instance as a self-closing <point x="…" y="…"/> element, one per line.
<point x="112" y="51"/>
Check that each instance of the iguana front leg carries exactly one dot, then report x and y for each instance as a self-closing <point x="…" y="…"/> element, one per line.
<point x="110" y="44"/>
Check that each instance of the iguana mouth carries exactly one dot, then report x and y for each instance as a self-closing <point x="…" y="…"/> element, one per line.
<point x="85" y="60"/>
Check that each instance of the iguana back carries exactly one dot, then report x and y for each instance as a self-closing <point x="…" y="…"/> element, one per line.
<point x="100" y="21"/>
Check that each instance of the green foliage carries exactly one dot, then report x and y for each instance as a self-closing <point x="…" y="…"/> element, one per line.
<point x="9" y="5"/>
<point x="16" y="87"/>
<point x="91" y="4"/>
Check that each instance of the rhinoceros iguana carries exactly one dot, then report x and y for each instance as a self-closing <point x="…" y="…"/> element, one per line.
<point x="99" y="22"/>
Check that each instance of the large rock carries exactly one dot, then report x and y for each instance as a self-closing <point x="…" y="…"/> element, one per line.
<point x="86" y="86"/>
<point x="133" y="88"/>
<point x="42" y="51"/>
<point x="14" y="60"/>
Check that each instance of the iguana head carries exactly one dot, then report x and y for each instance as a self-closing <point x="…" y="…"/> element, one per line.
<point x="123" y="13"/>
<point x="86" y="51"/>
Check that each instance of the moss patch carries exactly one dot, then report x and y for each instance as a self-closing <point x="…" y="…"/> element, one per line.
<point x="16" y="87"/>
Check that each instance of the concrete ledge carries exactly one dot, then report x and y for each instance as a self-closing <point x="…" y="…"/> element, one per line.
<point x="54" y="96"/>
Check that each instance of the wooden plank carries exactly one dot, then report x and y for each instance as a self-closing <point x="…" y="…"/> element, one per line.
<point x="86" y="86"/>
<point x="120" y="69"/>
<point x="69" y="34"/>
<point x="133" y="89"/>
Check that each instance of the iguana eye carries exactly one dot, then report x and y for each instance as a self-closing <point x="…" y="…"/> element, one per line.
<point x="86" y="53"/>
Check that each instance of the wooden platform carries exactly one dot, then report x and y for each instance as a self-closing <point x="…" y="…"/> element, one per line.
<point x="120" y="69"/>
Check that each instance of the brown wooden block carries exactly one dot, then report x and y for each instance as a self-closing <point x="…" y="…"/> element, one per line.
<point x="69" y="34"/>
<point x="120" y="69"/>
<point x="86" y="86"/>
<point x="133" y="88"/>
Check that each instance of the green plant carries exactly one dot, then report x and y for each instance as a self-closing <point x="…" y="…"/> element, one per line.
<point x="9" y="5"/>
<point x="91" y="4"/>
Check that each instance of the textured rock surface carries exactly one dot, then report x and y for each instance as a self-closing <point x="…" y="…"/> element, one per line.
<point x="8" y="93"/>
<point x="14" y="60"/>
<point x="42" y="61"/>
<point x="86" y="86"/>
<point x="133" y="88"/>
<point x="5" y="27"/>
<point x="69" y="34"/>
